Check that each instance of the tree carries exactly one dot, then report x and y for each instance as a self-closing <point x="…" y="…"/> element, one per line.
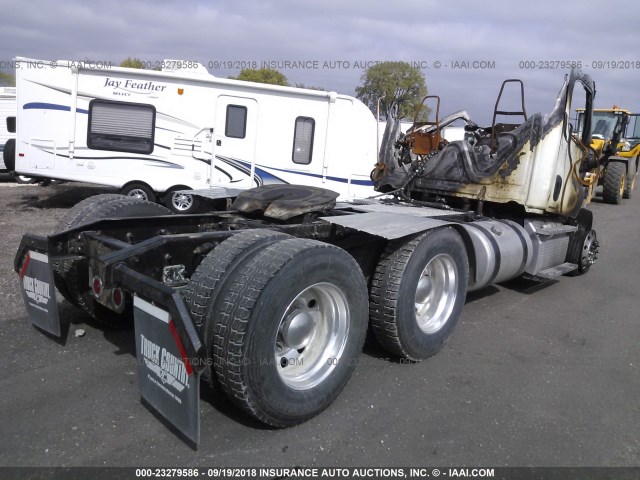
<point x="310" y="87"/>
<point x="7" y="79"/>
<point x="137" y="63"/>
<point x="262" y="75"/>
<point x="401" y="85"/>
<point x="132" y="63"/>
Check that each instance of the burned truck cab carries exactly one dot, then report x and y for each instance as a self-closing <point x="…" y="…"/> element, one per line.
<point x="538" y="164"/>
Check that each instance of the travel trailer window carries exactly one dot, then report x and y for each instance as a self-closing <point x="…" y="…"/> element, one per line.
<point x="121" y="127"/>
<point x="236" y="124"/>
<point x="303" y="140"/>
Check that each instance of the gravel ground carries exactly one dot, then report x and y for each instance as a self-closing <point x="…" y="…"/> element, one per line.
<point x="531" y="377"/>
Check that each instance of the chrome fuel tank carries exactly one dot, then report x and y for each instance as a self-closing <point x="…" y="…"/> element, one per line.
<point x="501" y="251"/>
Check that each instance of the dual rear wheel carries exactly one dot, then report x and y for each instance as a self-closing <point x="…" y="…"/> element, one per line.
<point x="284" y="319"/>
<point x="417" y="293"/>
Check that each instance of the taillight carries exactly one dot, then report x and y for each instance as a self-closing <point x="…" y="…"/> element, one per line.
<point x="96" y="286"/>
<point x="117" y="297"/>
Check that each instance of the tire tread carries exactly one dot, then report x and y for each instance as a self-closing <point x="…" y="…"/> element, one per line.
<point x="611" y="183"/>
<point x="240" y="298"/>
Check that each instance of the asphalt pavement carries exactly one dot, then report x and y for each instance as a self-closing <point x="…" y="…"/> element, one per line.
<point x="532" y="376"/>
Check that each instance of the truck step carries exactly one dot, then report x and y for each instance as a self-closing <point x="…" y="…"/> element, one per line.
<point x="556" y="230"/>
<point x="553" y="272"/>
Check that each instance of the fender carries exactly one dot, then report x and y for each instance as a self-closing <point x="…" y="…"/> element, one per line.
<point x="629" y="162"/>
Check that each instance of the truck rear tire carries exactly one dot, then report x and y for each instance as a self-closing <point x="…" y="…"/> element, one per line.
<point x="290" y="327"/>
<point x="209" y="278"/>
<point x="72" y="277"/>
<point x="417" y="293"/>
<point x="615" y="181"/>
<point x="75" y="216"/>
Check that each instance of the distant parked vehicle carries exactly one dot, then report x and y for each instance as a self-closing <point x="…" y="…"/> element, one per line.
<point x="7" y="137"/>
<point x="7" y="109"/>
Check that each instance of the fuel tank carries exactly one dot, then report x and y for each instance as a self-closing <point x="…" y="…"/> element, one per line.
<point x="504" y="249"/>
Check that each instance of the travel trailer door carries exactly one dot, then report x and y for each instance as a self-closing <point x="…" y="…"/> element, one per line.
<point x="235" y="136"/>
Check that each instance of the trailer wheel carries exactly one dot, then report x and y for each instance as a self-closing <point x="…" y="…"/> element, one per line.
<point x="630" y="185"/>
<point x="202" y="292"/>
<point x="290" y="328"/>
<point x="417" y="293"/>
<point x="615" y="181"/>
<point x="583" y="244"/>
<point x="71" y="277"/>
<point x="179" y="202"/>
<point x="140" y="191"/>
<point x="24" y="180"/>
<point x="9" y="154"/>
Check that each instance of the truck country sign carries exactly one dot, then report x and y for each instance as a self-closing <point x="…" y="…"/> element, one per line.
<point x="38" y="292"/>
<point x="168" y="384"/>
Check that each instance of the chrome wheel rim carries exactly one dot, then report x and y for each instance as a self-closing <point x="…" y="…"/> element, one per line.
<point x="138" y="193"/>
<point x="181" y="201"/>
<point x="589" y="249"/>
<point x="312" y="336"/>
<point x="436" y="293"/>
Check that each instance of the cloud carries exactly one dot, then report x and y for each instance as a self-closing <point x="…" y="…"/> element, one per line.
<point x="502" y="32"/>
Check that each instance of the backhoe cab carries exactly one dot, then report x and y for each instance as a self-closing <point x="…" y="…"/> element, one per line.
<point x="615" y="169"/>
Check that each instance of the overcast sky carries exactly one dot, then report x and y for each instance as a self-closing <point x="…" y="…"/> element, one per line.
<point x="502" y="33"/>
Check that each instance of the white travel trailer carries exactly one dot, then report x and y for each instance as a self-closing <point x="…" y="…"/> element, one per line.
<point x="7" y="109"/>
<point x="155" y="133"/>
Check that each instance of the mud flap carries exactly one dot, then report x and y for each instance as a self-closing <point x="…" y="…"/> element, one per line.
<point x="39" y="292"/>
<point x="169" y="385"/>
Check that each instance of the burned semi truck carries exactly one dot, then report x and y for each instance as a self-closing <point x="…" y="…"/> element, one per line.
<point x="270" y="301"/>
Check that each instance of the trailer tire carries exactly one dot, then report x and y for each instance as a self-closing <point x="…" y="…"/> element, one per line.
<point x="202" y="292"/>
<point x="434" y="266"/>
<point x="583" y="244"/>
<point x="290" y="329"/>
<point x="9" y="154"/>
<point x="71" y="277"/>
<point x="181" y="203"/>
<point x="615" y="181"/>
<point x="140" y="191"/>
<point x="24" y="180"/>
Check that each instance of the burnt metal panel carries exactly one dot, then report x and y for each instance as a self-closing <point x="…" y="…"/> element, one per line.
<point x="387" y="224"/>
<point x="410" y="210"/>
